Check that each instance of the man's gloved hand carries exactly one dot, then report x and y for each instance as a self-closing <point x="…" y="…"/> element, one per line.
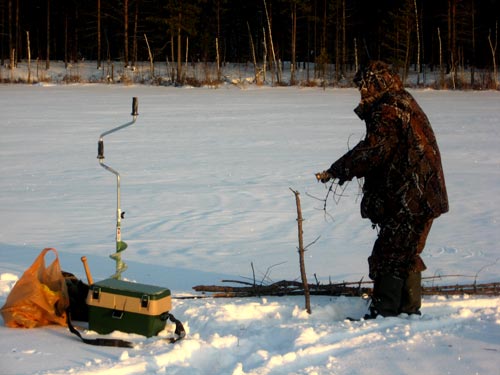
<point x="324" y="176"/>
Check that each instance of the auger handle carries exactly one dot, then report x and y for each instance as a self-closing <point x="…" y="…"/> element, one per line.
<point x="100" y="149"/>
<point x="87" y="270"/>
<point x="135" y="106"/>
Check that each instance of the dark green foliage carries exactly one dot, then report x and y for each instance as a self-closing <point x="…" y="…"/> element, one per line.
<point x="326" y="28"/>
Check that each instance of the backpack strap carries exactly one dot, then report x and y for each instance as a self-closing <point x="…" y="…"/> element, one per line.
<point x="179" y="328"/>
<point x="179" y="331"/>
<point x="98" y="342"/>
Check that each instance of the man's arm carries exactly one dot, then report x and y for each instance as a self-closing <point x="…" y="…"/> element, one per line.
<point x="372" y="152"/>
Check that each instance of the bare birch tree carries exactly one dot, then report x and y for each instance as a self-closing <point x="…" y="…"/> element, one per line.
<point x="125" y="33"/>
<point x="294" y="42"/>
<point x="179" y="47"/>
<point x="452" y="39"/>
<point x="47" y="57"/>
<point x="275" y="65"/>
<point x="441" y="65"/>
<point x="134" y="38"/>
<point x="28" y="49"/>
<point x="493" y="47"/>
<point x="418" y="41"/>
<point x="99" y="34"/>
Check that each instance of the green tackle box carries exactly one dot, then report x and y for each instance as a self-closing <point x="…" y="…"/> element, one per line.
<point x="117" y="305"/>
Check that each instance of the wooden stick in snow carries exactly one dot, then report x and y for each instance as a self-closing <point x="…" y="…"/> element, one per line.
<point x="301" y="252"/>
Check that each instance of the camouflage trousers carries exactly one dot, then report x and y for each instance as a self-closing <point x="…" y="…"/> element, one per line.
<point x="398" y="247"/>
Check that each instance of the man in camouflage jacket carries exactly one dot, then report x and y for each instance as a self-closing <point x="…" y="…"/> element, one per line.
<point x="403" y="190"/>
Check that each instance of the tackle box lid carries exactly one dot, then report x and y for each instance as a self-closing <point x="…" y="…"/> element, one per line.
<point x="131" y="289"/>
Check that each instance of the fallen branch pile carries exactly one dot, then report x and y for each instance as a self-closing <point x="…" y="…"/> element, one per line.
<point x="351" y="289"/>
<point x="490" y="289"/>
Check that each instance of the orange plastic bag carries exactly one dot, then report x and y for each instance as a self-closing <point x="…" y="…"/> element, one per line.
<point x="40" y="296"/>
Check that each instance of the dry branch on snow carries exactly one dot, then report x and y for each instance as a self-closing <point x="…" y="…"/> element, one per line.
<point x="351" y="289"/>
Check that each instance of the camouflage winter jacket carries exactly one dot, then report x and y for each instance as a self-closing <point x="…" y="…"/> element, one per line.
<point x="398" y="158"/>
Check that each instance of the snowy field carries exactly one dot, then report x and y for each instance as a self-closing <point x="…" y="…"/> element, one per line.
<point x="206" y="178"/>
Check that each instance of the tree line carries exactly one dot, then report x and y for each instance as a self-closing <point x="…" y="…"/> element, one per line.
<point x="332" y="36"/>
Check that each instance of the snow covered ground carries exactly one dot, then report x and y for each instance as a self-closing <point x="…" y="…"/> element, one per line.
<point x="205" y="185"/>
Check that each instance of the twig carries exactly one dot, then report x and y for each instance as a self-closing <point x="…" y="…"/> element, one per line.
<point x="316" y="278"/>
<point x="484" y="267"/>
<point x="312" y="243"/>
<point x="268" y="271"/>
<point x="336" y="196"/>
<point x="253" y="274"/>
<point x="238" y="282"/>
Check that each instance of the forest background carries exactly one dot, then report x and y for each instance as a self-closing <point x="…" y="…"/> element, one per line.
<point x="325" y="40"/>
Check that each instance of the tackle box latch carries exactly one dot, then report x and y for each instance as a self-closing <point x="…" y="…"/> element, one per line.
<point x="144" y="301"/>
<point x="96" y="292"/>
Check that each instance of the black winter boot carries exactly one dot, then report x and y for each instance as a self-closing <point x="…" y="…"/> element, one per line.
<point x="411" y="299"/>
<point x="386" y="299"/>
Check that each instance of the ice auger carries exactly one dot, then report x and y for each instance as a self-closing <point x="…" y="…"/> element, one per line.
<point x="120" y="245"/>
